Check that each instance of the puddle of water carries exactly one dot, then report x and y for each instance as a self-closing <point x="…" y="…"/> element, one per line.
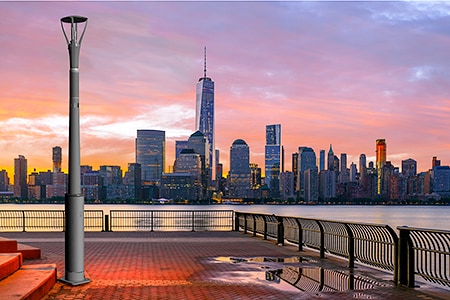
<point x="293" y="259"/>
<point x="266" y="278"/>
<point x="283" y="273"/>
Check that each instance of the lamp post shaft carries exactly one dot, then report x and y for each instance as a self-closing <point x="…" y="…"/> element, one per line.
<point x="74" y="200"/>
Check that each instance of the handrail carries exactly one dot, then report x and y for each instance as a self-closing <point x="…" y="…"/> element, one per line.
<point x="151" y="220"/>
<point x="46" y="220"/>
<point x="371" y="244"/>
<point x="424" y="252"/>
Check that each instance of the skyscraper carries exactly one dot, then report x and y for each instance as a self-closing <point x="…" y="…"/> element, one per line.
<point x="240" y="174"/>
<point x="180" y="146"/>
<point x="273" y="158"/>
<point x="409" y="167"/>
<point x="150" y="154"/>
<point x="381" y="161"/>
<point x="308" y="181"/>
<point x="20" y="177"/>
<point x="57" y="158"/>
<point x="322" y="160"/>
<point x="204" y="117"/>
<point x="198" y="142"/>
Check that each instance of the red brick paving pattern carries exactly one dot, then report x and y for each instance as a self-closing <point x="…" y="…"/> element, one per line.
<point x="183" y="265"/>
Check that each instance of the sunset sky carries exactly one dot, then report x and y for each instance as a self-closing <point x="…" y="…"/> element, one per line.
<point x="340" y="73"/>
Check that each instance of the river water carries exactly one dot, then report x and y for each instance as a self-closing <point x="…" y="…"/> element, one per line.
<point x="435" y="217"/>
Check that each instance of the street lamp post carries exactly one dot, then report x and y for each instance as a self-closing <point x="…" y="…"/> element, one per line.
<point x="74" y="200"/>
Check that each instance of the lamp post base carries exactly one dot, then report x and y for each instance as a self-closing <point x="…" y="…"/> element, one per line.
<point x="69" y="279"/>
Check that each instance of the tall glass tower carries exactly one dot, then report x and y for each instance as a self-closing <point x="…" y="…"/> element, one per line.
<point x="204" y="117"/>
<point x="273" y="158"/>
<point x="150" y="154"/>
<point x="240" y="174"/>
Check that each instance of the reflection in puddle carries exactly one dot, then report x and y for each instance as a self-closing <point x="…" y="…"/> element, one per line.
<point x="325" y="280"/>
<point x="284" y="273"/>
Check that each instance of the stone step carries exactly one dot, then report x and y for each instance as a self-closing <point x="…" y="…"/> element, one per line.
<point x="29" y="282"/>
<point x="9" y="263"/>
<point x="11" y="246"/>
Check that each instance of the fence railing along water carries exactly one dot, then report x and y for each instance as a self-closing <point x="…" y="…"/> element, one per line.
<point x="418" y="252"/>
<point x="415" y="252"/>
<point x="119" y="220"/>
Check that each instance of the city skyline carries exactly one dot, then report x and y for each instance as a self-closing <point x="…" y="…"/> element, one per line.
<point x="368" y="74"/>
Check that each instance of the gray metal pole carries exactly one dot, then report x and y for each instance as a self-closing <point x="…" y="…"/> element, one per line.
<point x="74" y="200"/>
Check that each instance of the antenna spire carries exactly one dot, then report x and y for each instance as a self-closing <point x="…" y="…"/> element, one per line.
<point x="204" y="70"/>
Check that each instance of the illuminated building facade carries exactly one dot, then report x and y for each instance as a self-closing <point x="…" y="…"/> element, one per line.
<point x="381" y="161"/>
<point x="57" y="158"/>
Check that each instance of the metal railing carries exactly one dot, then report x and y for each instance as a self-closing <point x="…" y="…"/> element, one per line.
<point x="426" y="253"/>
<point x="416" y="252"/>
<point x="370" y="244"/>
<point x="46" y="220"/>
<point x="184" y="220"/>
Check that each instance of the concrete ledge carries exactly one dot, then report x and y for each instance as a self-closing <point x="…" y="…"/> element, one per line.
<point x="30" y="282"/>
<point x="9" y="263"/>
<point x="11" y="246"/>
<point x="29" y="252"/>
<point x="7" y="245"/>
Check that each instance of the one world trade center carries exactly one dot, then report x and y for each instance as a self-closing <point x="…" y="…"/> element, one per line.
<point x="204" y="117"/>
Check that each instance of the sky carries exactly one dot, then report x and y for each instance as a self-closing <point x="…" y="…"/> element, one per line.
<point x="340" y="73"/>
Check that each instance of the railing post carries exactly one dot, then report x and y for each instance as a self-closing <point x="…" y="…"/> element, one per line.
<point x="23" y="221"/>
<point x="405" y="259"/>
<point x="245" y="223"/>
<point x="322" y="239"/>
<point x="236" y="220"/>
<point x="300" y="235"/>
<point x="193" y="222"/>
<point x="350" y="247"/>
<point x="151" y="221"/>
<point x="106" y="223"/>
<point x="254" y="225"/>
<point x="280" y="231"/>
<point x="265" y="227"/>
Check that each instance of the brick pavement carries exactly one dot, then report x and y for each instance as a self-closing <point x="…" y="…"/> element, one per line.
<point x="208" y="265"/>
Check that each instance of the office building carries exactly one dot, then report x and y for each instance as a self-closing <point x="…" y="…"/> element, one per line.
<point x="327" y="184"/>
<point x="380" y="162"/>
<point x="307" y="187"/>
<point x="204" y="117"/>
<point x="150" y="154"/>
<point x="273" y="159"/>
<point x="20" y="177"/>
<point x="287" y="185"/>
<point x="4" y="181"/>
<point x="344" y="174"/>
<point x="240" y="174"/>
<point x="322" y="160"/>
<point x="180" y="146"/>
<point x="132" y="179"/>
<point x="178" y="187"/>
<point x="435" y="162"/>
<point x="295" y="170"/>
<point x="57" y="158"/>
<point x="409" y="167"/>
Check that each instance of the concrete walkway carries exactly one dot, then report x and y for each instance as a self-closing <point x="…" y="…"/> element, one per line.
<point x="211" y="265"/>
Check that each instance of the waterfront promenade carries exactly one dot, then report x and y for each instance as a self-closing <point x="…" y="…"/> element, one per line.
<point x="210" y="265"/>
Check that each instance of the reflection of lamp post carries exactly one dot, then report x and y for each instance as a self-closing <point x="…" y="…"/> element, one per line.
<point x="74" y="200"/>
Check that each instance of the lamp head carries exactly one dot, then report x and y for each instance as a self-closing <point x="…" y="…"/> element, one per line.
<point x="74" y="19"/>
